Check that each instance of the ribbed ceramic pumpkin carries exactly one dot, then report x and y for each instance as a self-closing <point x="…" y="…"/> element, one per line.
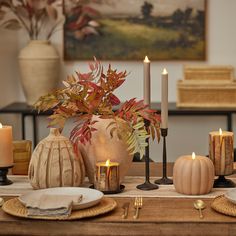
<point x="193" y="176"/>
<point x="54" y="163"/>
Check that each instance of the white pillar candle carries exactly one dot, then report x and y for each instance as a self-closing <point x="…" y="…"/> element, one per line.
<point x="164" y="99"/>
<point x="221" y="151"/>
<point x="6" y="149"/>
<point x="147" y="79"/>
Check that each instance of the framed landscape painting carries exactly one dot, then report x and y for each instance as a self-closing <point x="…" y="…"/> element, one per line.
<point x="131" y="29"/>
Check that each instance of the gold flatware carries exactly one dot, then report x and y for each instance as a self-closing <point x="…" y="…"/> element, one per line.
<point x="126" y="210"/>
<point x="199" y="205"/>
<point x="138" y="203"/>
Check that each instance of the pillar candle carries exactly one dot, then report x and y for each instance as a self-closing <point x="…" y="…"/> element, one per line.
<point x="6" y="150"/>
<point x="107" y="176"/>
<point x="146" y="85"/>
<point x="164" y="99"/>
<point x="221" y="151"/>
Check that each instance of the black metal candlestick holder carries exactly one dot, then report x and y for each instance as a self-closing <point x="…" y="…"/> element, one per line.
<point x="164" y="180"/>
<point x="222" y="182"/>
<point x="147" y="185"/>
<point x="3" y="176"/>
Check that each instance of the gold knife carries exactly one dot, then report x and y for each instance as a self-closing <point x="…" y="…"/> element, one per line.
<point x="126" y="210"/>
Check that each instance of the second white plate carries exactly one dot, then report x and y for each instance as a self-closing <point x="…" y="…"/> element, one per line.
<point x="231" y="195"/>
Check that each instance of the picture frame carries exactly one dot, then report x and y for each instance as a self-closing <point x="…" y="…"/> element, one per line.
<point x="131" y="29"/>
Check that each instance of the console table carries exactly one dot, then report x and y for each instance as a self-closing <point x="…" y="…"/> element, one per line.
<point x="24" y="110"/>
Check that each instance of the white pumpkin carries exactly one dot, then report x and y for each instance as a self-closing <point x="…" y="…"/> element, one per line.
<point x="54" y="163"/>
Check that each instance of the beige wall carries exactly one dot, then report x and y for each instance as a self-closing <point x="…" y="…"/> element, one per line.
<point x="186" y="134"/>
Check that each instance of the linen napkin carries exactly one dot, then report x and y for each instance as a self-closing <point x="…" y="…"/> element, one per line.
<point x="52" y="205"/>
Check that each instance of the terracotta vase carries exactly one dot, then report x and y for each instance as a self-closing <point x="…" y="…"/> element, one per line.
<point x="39" y="69"/>
<point x="102" y="148"/>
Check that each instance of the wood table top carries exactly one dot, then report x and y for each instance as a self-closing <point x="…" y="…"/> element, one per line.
<point x="158" y="216"/>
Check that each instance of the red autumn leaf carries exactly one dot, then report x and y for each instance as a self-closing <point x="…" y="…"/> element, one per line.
<point x="119" y="83"/>
<point x="114" y="100"/>
<point x="90" y="84"/>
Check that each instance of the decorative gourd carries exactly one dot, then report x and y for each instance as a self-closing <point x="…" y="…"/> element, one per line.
<point x="55" y="164"/>
<point x="102" y="147"/>
<point x="193" y="176"/>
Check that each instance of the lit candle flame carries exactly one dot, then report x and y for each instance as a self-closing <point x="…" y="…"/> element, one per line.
<point x="220" y="131"/>
<point x="0" y="125"/>
<point x="146" y="59"/>
<point x="107" y="162"/>
<point x="193" y="155"/>
<point x="164" y="72"/>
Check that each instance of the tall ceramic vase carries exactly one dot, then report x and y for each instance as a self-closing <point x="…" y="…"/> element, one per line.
<point x="39" y="68"/>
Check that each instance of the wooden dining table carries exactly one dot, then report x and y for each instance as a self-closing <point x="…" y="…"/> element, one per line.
<point x="158" y="216"/>
<point x="161" y="214"/>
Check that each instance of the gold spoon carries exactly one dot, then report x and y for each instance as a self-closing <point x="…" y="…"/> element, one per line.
<point x="199" y="205"/>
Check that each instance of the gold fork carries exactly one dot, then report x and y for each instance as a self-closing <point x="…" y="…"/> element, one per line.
<point x="138" y="203"/>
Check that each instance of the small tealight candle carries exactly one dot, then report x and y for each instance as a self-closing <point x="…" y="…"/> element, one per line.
<point x="107" y="176"/>
<point x="6" y="146"/>
<point x="221" y="151"/>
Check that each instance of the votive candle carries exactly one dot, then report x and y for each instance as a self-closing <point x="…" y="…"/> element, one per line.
<point x="107" y="176"/>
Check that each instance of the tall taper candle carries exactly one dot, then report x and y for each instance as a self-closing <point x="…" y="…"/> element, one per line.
<point x="164" y="99"/>
<point x="146" y="85"/>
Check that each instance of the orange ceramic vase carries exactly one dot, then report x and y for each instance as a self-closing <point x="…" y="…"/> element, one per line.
<point x="104" y="147"/>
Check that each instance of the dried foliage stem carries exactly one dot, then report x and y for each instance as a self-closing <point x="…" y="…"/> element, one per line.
<point x="54" y="29"/>
<point x="22" y="21"/>
<point x="31" y="15"/>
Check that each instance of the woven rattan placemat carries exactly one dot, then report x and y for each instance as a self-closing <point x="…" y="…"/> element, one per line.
<point x="223" y="205"/>
<point x="16" y="208"/>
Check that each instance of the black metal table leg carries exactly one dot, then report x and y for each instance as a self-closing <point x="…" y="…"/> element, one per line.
<point x="229" y="122"/>
<point x="23" y="126"/>
<point x="35" y="134"/>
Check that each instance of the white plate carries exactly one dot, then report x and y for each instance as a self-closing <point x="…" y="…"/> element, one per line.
<point x="231" y="195"/>
<point x="90" y="198"/>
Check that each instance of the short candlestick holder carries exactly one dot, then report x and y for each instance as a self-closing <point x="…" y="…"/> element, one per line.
<point x="3" y="176"/>
<point x="222" y="182"/>
<point x="147" y="185"/>
<point x="164" y="180"/>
